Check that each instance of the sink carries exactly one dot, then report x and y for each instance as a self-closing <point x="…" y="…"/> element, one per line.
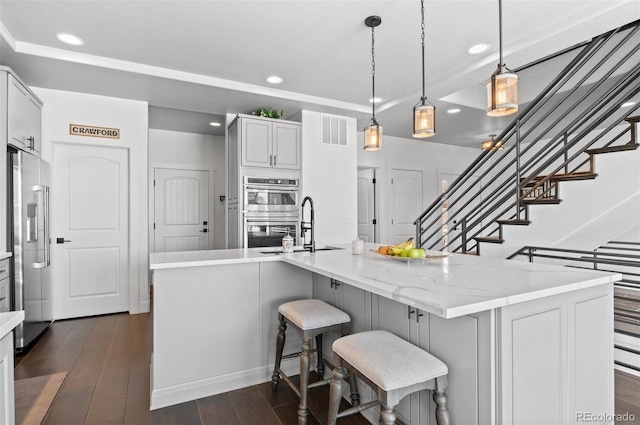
<point x="326" y="248"/>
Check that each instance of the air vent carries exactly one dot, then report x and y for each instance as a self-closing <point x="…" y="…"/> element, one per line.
<point x="334" y="130"/>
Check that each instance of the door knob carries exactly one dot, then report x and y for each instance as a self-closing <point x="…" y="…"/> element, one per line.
<point x="61" y="240"/>
<point x="204" y="231"/>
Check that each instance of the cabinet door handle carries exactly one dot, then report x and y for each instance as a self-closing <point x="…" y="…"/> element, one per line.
<point x="32" y="142"/>
<point x="418" y="316"/>
<point x="409" y="312"/>
<point x="274" y="160"/>
<point x="271" y="160"/>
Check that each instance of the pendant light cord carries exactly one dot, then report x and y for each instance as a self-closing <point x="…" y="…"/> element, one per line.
<point x="500" y="64"/>
<point x="423" y="76"/>
<point x="373" y="74"/>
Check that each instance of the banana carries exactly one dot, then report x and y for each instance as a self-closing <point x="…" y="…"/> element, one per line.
<point x="403" y="245"/>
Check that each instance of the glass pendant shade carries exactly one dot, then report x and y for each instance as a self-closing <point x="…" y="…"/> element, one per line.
<point x="487" y="145"/>
<point x="424" y="120"/>
<point x="373" y="137"/>
<point x="502" y="94"/>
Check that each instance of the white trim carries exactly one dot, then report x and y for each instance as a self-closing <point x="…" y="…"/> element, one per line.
<point x="181" y="393"/>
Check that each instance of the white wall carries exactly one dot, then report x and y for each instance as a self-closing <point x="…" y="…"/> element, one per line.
<point x="191" y="151"/>
<point x="592" y="212"/>
<point x="329" y="176"/>
<point x="411" y="154"/>
<point x="131" y="117"/>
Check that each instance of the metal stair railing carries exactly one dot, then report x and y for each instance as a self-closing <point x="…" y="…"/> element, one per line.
<point x="615" y="256"/>
<point x="579" y="109"/>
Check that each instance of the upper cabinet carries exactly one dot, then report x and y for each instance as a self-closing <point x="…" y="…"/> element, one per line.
<point x="269" y="143"/>
<point x="24" y="116"/>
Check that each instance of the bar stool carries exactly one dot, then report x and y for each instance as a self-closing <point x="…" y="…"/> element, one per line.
<point x="311" y="318"/>
<point x="391" y="366"/>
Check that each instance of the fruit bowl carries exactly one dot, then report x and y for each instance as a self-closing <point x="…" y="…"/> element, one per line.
<point x="411" y="259"/>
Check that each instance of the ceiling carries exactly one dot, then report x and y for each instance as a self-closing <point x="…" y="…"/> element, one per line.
<point x="195" y="61"/>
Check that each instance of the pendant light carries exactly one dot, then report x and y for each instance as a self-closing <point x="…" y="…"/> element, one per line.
<point x="424" y="113"/>
<point x="373" y="133"/>
<point x="502" y="89"/>
<point x="492" y="144"/>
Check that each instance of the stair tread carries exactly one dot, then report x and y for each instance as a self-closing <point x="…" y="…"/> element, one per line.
<point x="621" y="148"/>
<point x="541" y="201"/>
<point x="632" y="119"/>
<point x="490" y="239"/>
<point x="574" y="176"/>
<point x="470" y="252"/>
<point x="514" y="222"/>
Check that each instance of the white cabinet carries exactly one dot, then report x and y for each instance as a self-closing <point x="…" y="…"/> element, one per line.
<point x="4" y="285"/>
<point x="234" y="227"/>
<point x="461" y="342"/>
<point x="233" y="171"/>
<point x="24" y="116"/>
<point x="266" y="142"/>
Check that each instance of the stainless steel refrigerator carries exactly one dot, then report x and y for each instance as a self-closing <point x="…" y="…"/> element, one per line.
<point x="29" y="241"/>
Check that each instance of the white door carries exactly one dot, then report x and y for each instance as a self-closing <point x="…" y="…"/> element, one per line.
<point x="91" y="240"/>
<point x="366" y="205"/>
<point x="405" y="203"/>
<point x="181" y="210"/>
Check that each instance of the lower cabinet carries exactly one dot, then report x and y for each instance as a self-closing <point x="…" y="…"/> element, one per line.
<point x="462" y="343"/>
<point x="353" y="301"/>
<point x="7" y="403"/>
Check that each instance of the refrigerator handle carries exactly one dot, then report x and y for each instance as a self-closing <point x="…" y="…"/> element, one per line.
<point x="45" y="216"/>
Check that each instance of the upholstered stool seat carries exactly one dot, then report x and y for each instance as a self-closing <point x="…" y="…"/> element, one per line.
<point x="393" y="367"/>
<point x="311" y="318"/>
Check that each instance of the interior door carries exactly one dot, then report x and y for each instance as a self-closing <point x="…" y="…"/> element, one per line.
<point x="366" y="205"/>
<point x="91" y="216"/>
<point x="181" y="211"/>
<point x="405" y="203"/>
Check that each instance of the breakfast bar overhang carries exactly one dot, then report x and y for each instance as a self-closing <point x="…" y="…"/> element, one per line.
<point x="524" y="343"/>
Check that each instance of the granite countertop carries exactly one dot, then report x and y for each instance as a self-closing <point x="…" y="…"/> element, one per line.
<point x="9" y="320"/>
<point x="448" y="287"/>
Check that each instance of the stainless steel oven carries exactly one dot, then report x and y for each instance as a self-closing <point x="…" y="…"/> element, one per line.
<point x="262" y="230"/>
<point x="270" y="211"/>
<point x="263" y="194"/>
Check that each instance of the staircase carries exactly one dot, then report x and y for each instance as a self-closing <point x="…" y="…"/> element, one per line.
<point x="552" y="142"/>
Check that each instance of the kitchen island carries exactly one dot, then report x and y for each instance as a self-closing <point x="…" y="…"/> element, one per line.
<point x="525" y="343"/>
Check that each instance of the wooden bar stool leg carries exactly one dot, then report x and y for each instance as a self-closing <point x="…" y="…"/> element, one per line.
<point x="387" y="415"/>
<point x="335" y="394"/>
<point x="305" y="359"/>
<point x="355" y="395"/>
<point x="442" y="411"/>
<point x="320" y="363"/>
<point x="275" y="377"/>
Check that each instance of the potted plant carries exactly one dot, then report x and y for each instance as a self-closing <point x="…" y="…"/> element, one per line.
<point x="269" y="113"/>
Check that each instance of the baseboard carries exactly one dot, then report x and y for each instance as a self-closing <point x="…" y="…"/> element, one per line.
<point x="175" y="394"/>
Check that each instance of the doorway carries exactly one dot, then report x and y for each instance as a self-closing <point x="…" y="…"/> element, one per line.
<point x="367" y="206"/>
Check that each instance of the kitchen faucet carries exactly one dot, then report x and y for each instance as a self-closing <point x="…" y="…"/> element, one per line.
<point x="304" y="226"/>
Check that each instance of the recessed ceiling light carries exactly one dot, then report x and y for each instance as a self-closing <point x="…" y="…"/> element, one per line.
<point x="453" y="110"/>
<point x="375" y="99"/>
<point x="70" y="39"/>
<point x="627" y="104"/>
<point x="476" y="49"/>
<point x="274" y="79"/>
<point x="215" y="124"/>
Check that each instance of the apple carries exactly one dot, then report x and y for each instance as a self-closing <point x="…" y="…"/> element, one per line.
<point x="417" y="253"/>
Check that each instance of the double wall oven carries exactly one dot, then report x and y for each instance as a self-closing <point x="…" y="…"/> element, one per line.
<point x="270" y="211"/>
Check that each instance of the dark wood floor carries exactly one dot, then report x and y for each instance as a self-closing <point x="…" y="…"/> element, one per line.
<point x="107" y="363"/>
